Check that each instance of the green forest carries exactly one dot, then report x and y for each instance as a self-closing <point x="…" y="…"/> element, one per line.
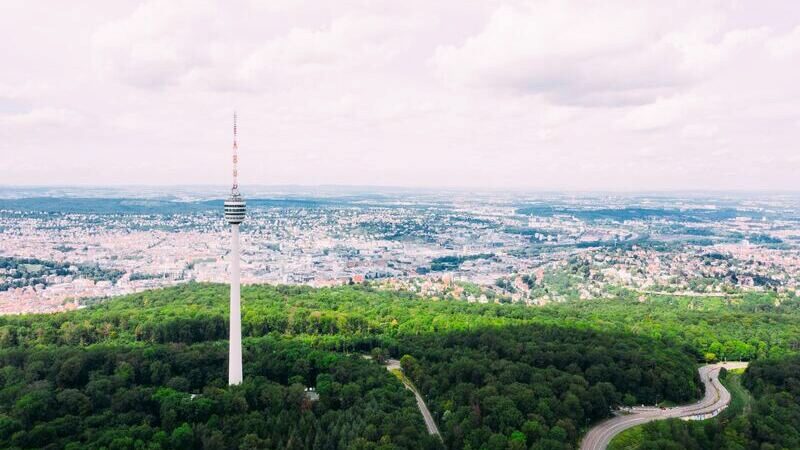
<point x="148" y="370"/>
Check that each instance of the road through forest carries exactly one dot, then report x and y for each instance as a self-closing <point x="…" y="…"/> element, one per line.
<point x="715" y="400"/>
<point x="393" y="364"/>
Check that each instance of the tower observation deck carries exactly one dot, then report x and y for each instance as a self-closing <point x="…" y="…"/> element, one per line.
<point x="235" y="209"/>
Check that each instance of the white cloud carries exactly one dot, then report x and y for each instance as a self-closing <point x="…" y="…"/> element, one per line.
<point x="699" y="131"/>
<point x="354" y="42"/>
<point x="41" y="117"/>
<point x="508" y="93"/>
<point x="787" y="45"/>
<point x="573" y="53"/>
<point x="662" y="113"/>
<point x="591" y="53"/>
<point x="158" y="44"/>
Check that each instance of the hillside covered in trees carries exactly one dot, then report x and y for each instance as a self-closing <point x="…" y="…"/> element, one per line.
<point x="148" y="370"/>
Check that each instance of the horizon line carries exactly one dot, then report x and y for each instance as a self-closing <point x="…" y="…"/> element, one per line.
<point x="518" y="190"/>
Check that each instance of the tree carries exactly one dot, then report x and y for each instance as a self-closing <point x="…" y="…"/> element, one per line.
<point x="73" y="401"/>
<point x="71" y="372"/>
<point x="411" y="367"/>
<point x="378" y="354"/>
<point x="182" y="437"/>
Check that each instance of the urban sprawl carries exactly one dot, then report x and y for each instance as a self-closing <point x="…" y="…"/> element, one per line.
<point x="477" y="248"/>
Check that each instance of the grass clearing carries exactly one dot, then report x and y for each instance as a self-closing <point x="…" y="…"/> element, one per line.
<point x="630" y="439"/>
<point x="741" y="400"/>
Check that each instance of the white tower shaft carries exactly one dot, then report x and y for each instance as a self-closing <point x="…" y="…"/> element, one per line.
<point x="235" y="211"/>
<point x="235" y="342"/>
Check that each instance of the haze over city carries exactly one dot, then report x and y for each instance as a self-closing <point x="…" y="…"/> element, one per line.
<point x="538" y="95"/>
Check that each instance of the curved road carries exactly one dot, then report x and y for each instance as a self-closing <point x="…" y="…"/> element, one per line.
<point x="714" y="401"/>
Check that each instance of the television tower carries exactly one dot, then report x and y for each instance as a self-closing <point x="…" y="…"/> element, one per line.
<point x="234" y="213"/>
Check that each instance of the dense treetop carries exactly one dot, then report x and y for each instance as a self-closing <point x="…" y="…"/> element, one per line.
<point x="148" y="370"/>
<point x="753" y="326"/>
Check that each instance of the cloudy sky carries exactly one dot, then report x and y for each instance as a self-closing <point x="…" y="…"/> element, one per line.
<point x="539" y="95"/>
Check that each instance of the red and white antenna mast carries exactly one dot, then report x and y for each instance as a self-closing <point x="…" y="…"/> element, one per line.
<point x="235" y="188"/>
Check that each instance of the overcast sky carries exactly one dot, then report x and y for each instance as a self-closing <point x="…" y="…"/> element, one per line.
<point x="486" y="94"/>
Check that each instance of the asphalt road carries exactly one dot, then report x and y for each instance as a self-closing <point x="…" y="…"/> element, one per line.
<point x="716" y="399"/>
<point x="393" y="364"/>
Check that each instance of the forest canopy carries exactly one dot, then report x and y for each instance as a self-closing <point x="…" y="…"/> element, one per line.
<point x="148" y="370"/>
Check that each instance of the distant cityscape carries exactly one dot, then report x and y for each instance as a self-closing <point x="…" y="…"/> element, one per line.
<point x="62" y="248"/>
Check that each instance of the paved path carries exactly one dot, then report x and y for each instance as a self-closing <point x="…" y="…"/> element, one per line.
<point x="393" y="364"/>
<point x="715" y="400"/>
